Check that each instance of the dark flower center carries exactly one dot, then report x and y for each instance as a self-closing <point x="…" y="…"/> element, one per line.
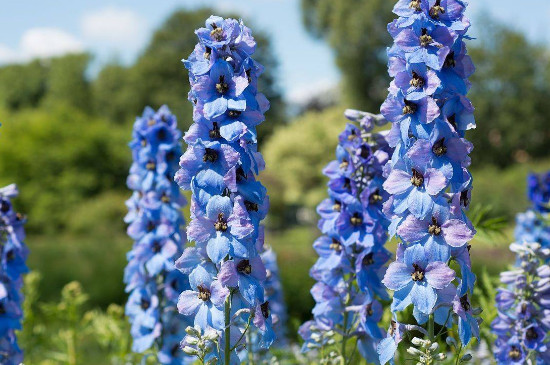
<point x="165" y="198"/>
<point x="452" y="120"/>
<point x="10" y="256"/>
<point x="161" y="134"/>
<point x="337" y="206"/>
<point x="393" y="327"/>
<point x="265" y="309"/>
<point x="356" y="220"/>
<point x="5" y="206"/>
<point x="417" y="179"/>
<point x="425" y="38"/>
<point x="347" y="183"/>
<point x="145" y="304"/>
<point x="514" y="353"/>
<point x="465" y="303"/>
<point x="416" y="81"/>
<point x="233" y="113"/>
<point x="368" y="259"/>
<point x="241" y="175"/>
<point x="150" y="165"/>
<point x="434" y="228"/>
<point x="151" y="122"/>
<point x="436" y="10"/>
<point x="207" y="52"/>
<point x="375" y="197"/>
<point x="531" y="334"/>
<point x="143" y="142"/>
<point x="244" y="267"/>
<point x="222" y="86"/>
<point x="409" y="108"/>
<point x="250" y="206"/>
<point x="174" y="350"/>
<point x="439" y="148"/>
<point x="523" y="308"/>
<point x="365" y="152"/>
<point x="464" y="200"/>
<point x="418" y="273"/>
<point x="156" y="247"/>
<point x="204" y="293"/>
<point x="415" y="4"/>
<point x="170" y="156"/>
<point x="210" y="155"/>
<point x="336" y="245"/>
<point x="215" y="132"/>
<point x="216" y="33"/>
<point x="368" y="310"/>
<point x="344" y="165"/>
<point x="150" y="226"/>
<point x="221" y="223"/>
<point x="352" y="135"/>
<point x="450" y="60"/>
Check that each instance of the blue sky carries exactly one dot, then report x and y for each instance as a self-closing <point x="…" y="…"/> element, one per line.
<point x="113" y="29"/>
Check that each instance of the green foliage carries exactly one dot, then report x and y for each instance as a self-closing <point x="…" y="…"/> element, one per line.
<point x="295" y="257"/>
<point x="67" y="83"/>
<point x="63" y="332"/>
<point x="22" y="86"/>
<point x="487" y="225"/>
<point x="510" y="96"/>
<point x="59" y="158"/>
<point x="505" y="189"/>
<point x="295" y="157"/>
<point x="356" y="31"/>
<point x="484" y="298"/>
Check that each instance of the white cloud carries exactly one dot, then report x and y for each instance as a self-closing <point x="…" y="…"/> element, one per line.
<point x="114" y="25"/>
<point x="48" y="42"/>
<point x="229" y="7"/>
<point x="303" y="93"/>
<point x="41" y="43"/>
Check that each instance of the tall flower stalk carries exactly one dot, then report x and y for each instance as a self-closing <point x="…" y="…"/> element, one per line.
<point x="523" y="304"/>
<point x="12" y="267"/>
<point x="428" y="177"/>
<point x="155" y="224"/>
<point x="226" y="272"/>
<point x="352" y="256"/>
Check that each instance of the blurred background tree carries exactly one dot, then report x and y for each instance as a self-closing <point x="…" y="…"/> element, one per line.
<point x="356" y="31"/>
<point x="510" y="93"/>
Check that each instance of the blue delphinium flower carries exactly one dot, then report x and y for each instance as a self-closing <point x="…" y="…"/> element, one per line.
<point x="12" y="267"/>
<point x="226" y="265"/>
<point x="538" y="191"/>
<point x="352" y="256"/>
<point x="524" y="303"/>
<point x="155" y="222"/>
<point x="524" y="308"/>
<point x="427" y="177"/>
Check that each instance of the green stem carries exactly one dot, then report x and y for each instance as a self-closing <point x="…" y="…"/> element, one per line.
<point x="431" y="326"/>
<point x="228" y="330"/>
<point x="245" y="331"/>
<point x="344" y="337"/>
<point x="458" y="355"/>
